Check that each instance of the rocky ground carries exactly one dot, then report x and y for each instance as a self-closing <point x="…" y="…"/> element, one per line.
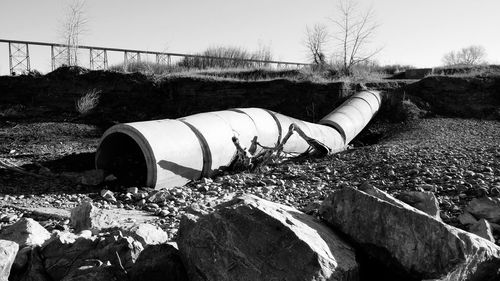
<point x="456" y="159"/>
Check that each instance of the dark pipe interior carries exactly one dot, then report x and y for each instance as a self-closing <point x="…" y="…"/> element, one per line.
<point x="121" y="156"/>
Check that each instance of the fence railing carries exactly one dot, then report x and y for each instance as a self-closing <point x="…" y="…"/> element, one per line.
<point x="62" y="54"/>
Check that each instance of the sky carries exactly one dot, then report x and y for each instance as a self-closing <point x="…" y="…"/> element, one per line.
<point x="411" y="32"/>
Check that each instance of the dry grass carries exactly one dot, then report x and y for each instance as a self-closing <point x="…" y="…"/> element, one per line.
<point x="467" y="71"/>
<point x="88" y="102"/>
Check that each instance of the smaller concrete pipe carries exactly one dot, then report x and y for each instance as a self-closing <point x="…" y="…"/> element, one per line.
<point x="354" y="114"/>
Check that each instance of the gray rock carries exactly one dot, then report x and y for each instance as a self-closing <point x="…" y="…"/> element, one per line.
<point x="423" y="200"/>
<point x="35" y="270"/>
<point x="467" y="219"/>
<point x="483" y="229"/>
<point x="88" y="217"/>
<point x="485" y="208"/>
<point x="157" y="262"/>
<point x="22" y="258"/>
<point x="146" y="234"/>
<point x="108" y="195"/>
<point x="8" y="252"/>
<point x="66" y="252"/>
<point x="249" y="238"/>
<point x="410" y="243"/>
<point x="25" y="232"/>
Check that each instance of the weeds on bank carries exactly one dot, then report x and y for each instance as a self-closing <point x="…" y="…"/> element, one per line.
<point x="88" y="102"/>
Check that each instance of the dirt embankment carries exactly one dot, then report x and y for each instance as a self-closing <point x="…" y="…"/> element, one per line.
<point x="464" y="97"/>
<point x="136" y="97"/>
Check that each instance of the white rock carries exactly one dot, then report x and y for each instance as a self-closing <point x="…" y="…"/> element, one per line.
<point x="8" y="252"/>
<point x="25" y="232"/>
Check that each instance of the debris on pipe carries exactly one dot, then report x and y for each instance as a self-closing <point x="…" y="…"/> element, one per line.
<point x="169" y="153"/>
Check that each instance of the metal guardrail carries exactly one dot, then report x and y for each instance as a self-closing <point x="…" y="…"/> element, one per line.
<point x="19" y="56"/>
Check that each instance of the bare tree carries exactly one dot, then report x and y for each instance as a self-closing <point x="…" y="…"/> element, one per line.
<point x="472" y="55"/>
<point x="316" y="38"/>
<point x="355" y="30"/>
<point x="73" y="26"/>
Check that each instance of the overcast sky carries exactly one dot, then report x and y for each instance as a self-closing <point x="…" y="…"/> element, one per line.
<point x="416" y="32"/>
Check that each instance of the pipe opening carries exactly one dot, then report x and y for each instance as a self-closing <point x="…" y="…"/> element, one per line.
<point x="120" y="155"/>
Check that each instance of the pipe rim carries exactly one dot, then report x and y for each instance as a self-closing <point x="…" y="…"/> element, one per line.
<point x="143" y="144"/>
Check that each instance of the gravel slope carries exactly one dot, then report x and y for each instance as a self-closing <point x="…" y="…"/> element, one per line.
<point x="458" y="159"/>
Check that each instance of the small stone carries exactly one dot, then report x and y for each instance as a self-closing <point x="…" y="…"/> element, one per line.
<point x="207" y="180"/>
<point x="203" y="189"/>
<point x="85" y="233"/>
<point x="132" y="190"/>
<point x="108" y="195"/>
<point x="9" y="218"/>
<point x="428" y="187"/>
<point x="164" y="213"/>
<point x="110" y="178"/>
<point x="146" y="234"/>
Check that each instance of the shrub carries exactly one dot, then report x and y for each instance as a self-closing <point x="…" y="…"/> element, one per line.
<point x="235" y="55"/>
<point x="87" y="102"/>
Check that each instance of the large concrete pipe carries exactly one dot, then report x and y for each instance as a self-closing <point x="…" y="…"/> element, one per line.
<point x="169" y="153"/>
<point x="354" y="114"/>
<point x="149" y="153"/>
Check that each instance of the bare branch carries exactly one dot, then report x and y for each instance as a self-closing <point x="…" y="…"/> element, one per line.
<point x="354" y="33"/>
<point x="316" y="38"/>
<point x="73" y="27"/>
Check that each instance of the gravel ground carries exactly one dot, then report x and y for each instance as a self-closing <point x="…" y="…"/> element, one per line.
<point x="457" y="159"/>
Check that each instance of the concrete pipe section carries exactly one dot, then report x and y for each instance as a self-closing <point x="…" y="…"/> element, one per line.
<point x="169" y="153"/>
<point x="354" y="114"/>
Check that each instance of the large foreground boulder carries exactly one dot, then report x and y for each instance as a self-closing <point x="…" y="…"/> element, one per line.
<point x="411" y="243"/>
<point x="249" y="238"/>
